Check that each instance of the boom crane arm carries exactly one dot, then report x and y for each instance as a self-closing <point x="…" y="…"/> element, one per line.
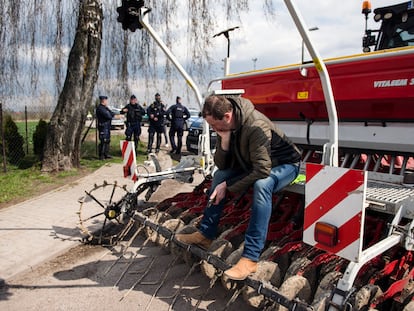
<point x="204" y="150"/>
<point x="134" y="15"/>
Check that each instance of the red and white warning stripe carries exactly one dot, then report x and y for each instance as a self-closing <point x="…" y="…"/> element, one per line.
<point x="336" y="196"/>
<point x="129" y="159"/>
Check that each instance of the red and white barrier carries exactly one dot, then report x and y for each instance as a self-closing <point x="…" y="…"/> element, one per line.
<point x="129" y="159"/>
<point x="336" y="196"/>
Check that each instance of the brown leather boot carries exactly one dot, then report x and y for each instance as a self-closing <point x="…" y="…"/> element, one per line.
<point x="196" y="238"/>
<point x="241" y="270"/>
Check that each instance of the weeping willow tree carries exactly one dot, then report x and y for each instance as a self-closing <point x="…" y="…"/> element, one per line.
<point x="62" y="147"/>
<point x="72" y="51"/>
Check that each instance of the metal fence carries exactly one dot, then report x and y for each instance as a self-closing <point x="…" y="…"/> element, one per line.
<point x="16" y="141"/>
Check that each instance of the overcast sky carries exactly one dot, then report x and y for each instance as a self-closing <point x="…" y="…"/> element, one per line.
<point x="341" y="28"/>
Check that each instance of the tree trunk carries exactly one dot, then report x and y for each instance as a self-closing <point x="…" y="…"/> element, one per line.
<point x="62" y="147"/>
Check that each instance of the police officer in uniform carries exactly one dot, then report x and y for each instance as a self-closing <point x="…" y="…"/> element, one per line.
<point x="155" y="113"/>
<point x="104" y="116"/>
<point x="177" y="114"/>
<point x="134" y="113"/>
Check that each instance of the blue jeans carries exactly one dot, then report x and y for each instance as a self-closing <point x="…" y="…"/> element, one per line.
<point x="261" y="209"/>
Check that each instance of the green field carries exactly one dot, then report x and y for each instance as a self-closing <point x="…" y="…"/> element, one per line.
<point x="27" y="134"/>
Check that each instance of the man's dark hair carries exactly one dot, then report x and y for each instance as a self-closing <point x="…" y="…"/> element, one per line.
<point x="216" y="106"/>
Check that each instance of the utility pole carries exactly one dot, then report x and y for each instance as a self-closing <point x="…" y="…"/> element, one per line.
<point x="254" y="63"/>
<point x="227" y="59"/>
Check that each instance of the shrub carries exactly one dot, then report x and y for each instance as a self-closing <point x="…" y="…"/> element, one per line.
<point x="39" y="138"/>
<point x="13" y="141"/>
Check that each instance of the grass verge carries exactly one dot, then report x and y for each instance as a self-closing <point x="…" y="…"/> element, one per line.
<point x="17" y="185"/>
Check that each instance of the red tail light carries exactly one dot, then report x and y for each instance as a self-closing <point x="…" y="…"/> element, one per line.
<point x="326" y="234"/>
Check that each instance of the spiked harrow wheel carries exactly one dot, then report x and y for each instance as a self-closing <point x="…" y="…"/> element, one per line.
<point x="105" y="213"/>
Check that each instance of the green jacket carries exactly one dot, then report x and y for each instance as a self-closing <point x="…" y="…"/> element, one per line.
<point x="256" y="146"/>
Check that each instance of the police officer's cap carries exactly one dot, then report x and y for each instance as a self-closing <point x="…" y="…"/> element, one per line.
<point x="133" y="97"/>
<point x="157" y="94"/>
<point x="102" y="97"/>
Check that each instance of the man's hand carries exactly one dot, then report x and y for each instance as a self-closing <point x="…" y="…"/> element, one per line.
<point x="225" y="139"/>
<point x="219" y="193"/>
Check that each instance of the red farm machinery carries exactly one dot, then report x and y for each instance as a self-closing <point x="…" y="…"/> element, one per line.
<point x="340" y="237"/>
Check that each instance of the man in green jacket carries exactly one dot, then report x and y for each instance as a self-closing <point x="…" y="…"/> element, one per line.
<point x="250" y="152"/>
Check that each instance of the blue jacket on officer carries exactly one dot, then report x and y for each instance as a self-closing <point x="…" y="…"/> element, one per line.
<point x="177" y="114"/>
<point x="104" y="116"/>
<point x="155" y="112"/>
<point x="134" y="113"/>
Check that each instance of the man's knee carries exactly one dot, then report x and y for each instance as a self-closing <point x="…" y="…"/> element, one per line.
<point x="265" y="185"/>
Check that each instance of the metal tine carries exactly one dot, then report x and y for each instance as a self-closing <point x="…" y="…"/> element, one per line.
<point x="177" y="292"/>
<point x="122" y="256"/>
<point x="306" y="157"/>
<point x="212" y="282"/>
<point x="172" y="263"/>
<point x="150" y="283"/>
<point x="377" y="165"/>
<point x="147" y="270"/>
<point x="138" y="271"/>
<point x="113" y="264"/>
<point x="131" y="261"/>
<point x="112" y="193"/>
<point x="93" y="216"/>
<point x="355" y="160"/>
<point x="123" y="233"/>
<point x="404" y="165"/>
<point x="367" y="162"/>
<point x="392" y="165"/>
<point x="234" y="297"/>
<point x="345" y="160"/>
<point x="111" y="250"/>
<point x="126" y="230"/>
<point x="95" y="199"/>
<point x="128" y="244"/>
